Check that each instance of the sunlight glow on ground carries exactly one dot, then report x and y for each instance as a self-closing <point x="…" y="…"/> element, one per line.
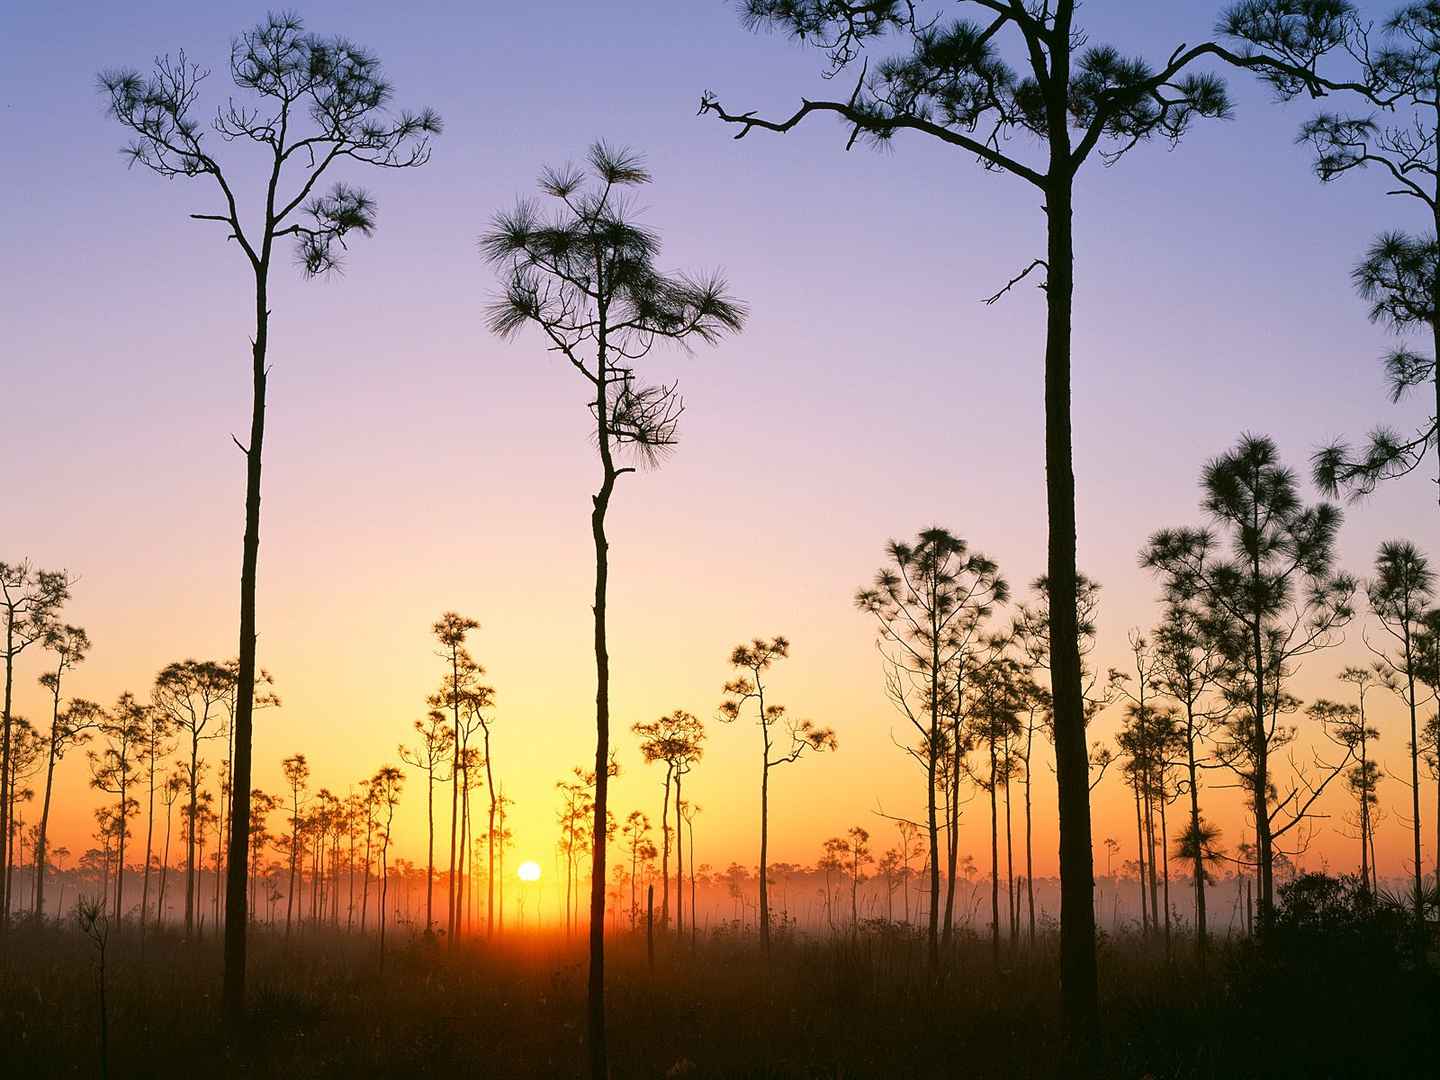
<point x="529" y="871"/>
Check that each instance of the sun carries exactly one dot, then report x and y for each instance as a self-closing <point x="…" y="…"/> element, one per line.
<point x="529" y="871"/>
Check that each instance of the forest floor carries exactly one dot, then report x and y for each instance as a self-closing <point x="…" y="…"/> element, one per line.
<point x="323" y="1005"/>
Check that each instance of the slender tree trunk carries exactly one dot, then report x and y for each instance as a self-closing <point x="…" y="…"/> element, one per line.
<point x="149" y="845"/>
<point x="1202" y="933"/>
<point x="290" y="897"/>
<point x="765" y="852"/>
<point x="1078" y="976"/>
<point x="1165" y="865"/>
<point x="5" y="737"/>
<point x="1364" y="809"/>
<point x="120" y="861"/>
<point x="1260" y="780"/>
<point x="1149" y="804"/>
<point x="454" y="794"/>
<point x="679" y="862"/>
<point x="665" y="848"/>
<point x="236" y="918"/>
<point x="164" y="870"/>
<point x="41" y="856"/>
<point x="489" y="843"/>
<point x="1140" y="865"/>
<point x="462" y="885"/>
<point x="365" y="877"/>
<point x="595" y="1012"/>
<point x="1029" y="849"/>
<point x="994" y="866"/>
<point x="384" y="889"/>
<point x="933" y="931"/>
<point x="1012" y="894"/>
<point x="190" y="868"/>
<point x="1415" y="790"/>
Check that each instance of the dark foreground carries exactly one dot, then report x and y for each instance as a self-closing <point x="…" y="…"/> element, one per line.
<point x="1336" y="997"/>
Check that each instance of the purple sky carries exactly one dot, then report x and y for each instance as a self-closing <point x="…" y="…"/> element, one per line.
<point x="416" y="464"/>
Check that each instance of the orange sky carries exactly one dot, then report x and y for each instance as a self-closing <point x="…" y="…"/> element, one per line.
<point x="414" y="464"/>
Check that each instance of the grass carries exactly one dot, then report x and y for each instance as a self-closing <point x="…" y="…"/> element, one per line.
<point x="322" y="1005"/>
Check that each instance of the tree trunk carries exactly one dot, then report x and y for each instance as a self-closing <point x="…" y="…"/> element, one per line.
<point x="454" y="795"/>
<point x="1202" y="933"/>
<point x="236" y="918"/>
<point x="1078" y="976"/>
<point x="679" y="863"/>
<point x="5" y="768"/>
<point x="489" y="844"/>
<point x="595" y="1011"/>
<point x="933" y="931"/>
<point x="164" y="870"/>
<point x="1029" y="849"/>
<point x="1165" y="864"/>
<point x="665" y="848"/>
<point x="1260" y="781"/>
<point x="994" y="867"/>
<point x="190" y="836"/>
<point x="120" y="861"/>
<point x="1012" y="892"/>
<point x="1364" y="808"/>
<point x="1140" y="863"/>
<point x="40" y="837"/>
<point x="149" y="846"/>
<point x="1415" y="789"/>
<point x="1149" y="804"/>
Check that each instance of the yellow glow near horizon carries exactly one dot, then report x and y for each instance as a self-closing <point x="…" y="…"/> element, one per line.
<point x="529" y="871"/>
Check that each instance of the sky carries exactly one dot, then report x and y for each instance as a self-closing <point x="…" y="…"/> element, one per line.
<point x="416" y="464"/>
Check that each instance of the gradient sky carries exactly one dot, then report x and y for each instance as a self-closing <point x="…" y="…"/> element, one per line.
<point x="415" y="464"/>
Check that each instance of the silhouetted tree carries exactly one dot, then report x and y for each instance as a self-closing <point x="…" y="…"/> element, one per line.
<point x="1189" y="664"/>
<point x="1427" y="669"/>
<point x="170" y="793"/>
<point x="1274" y="598"/>
<point x="296" y="771"/>
<point x="859" y="856"/>
<point x="193" y="693"/>
<point x="435" y="746"/>
<point x="949" y="80"/>
<point x="688" y="812"/>
<point x="1400" y="594"/>
<point x="931" y="602"/>
<point x="316" y="105"/>
<point x="463" y="678"/>
<point x="1150" y="738"/>
<point x="70" y="725"/>
<point x="113" y="771"/>
<point x="1399" y="134"/>
<point x="1346" y="723"/>
<point x="262" y="805"/>
<point x="994" y="725"/>
<point x="30" y="601"/>
<point x="387" y="783"/>
<point x="586" y="277"/>
<point x="636" y="831"/>
<point x="155" y="746"/>
<point x="27" y="756"/>
<point x="481" y="710"/>
<point x="755" y="659"/>
<point x="477" y="703"/>
<point x="676" y="739"/>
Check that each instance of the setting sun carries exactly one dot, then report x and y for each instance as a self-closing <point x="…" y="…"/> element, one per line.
<point x="921" y="589"/>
